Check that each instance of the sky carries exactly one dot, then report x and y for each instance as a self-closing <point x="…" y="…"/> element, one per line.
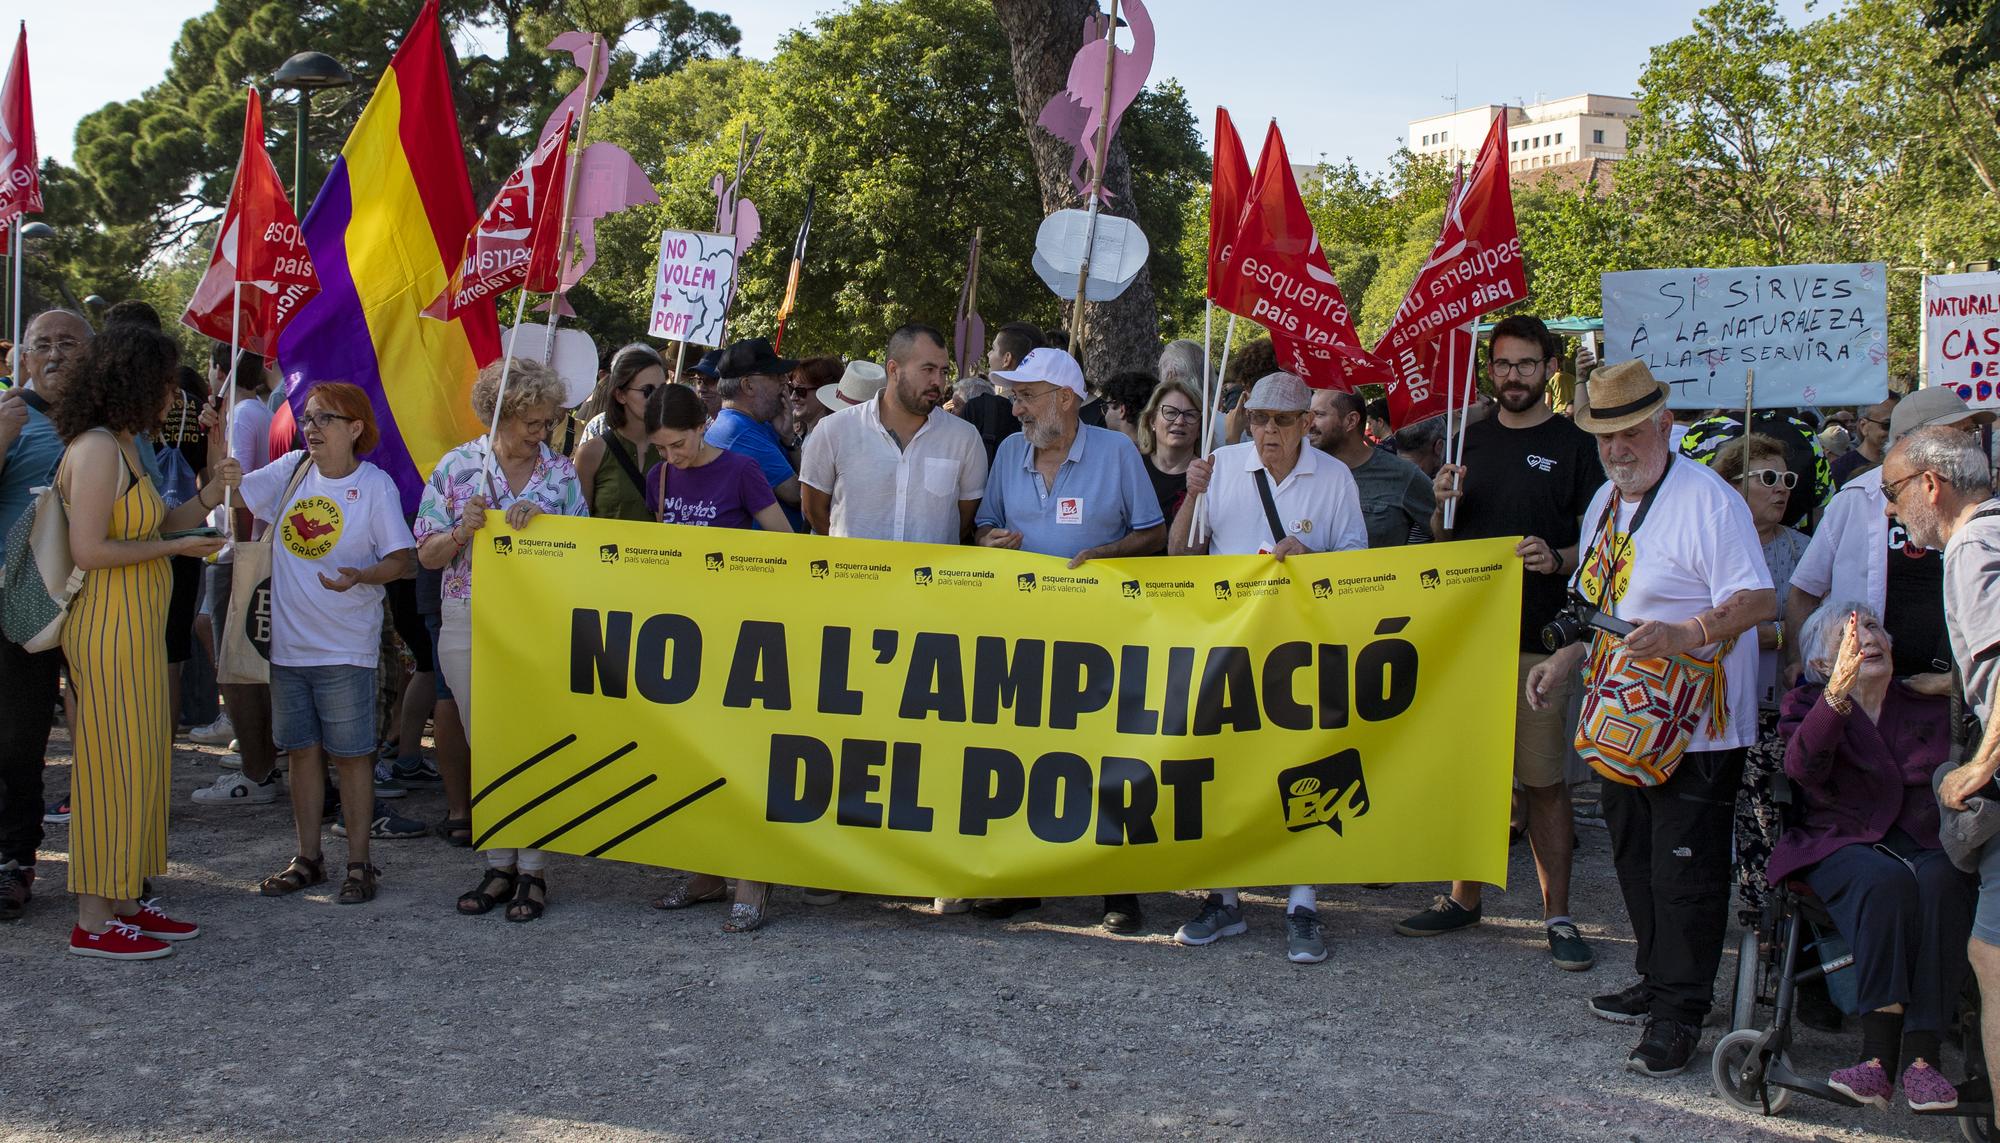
<point x="1343" y="78"/>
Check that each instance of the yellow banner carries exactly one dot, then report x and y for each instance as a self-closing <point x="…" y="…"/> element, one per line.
<point x="967" y="722"/>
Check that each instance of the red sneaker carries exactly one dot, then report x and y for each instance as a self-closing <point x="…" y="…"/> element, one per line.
<point x="159" y="926"/>
<point x="118" y="941"/>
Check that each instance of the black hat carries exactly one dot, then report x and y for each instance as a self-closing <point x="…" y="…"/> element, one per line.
<point x="706" y="366"/>
<point x="753" y="356"/>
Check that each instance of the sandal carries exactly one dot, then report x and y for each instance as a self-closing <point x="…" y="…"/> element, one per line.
<point x="303" y="871"/>
<point x="747" y="916"/>
<point x="525" y="906"/>
<point x="679" y="898"/>
<point x="360" y="884"/>
<point x="480" y="901"/>
<point x="457" y="831"/>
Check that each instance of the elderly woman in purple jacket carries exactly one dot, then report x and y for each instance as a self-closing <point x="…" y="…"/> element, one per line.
<point x="1862" y="750"/>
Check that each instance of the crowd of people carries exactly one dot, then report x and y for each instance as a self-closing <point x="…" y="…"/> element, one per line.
<point x="1803" y="622"/>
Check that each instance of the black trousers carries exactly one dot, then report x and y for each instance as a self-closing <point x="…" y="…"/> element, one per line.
<point x="1906" y="923"/>
<point x="29" y="687"/>
<point x="1671" y="844"/>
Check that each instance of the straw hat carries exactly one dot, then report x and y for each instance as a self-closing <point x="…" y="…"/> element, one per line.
<point x="1619" y="396"/>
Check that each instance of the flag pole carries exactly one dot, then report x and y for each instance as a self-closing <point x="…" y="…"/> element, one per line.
<point x="1096" y="183"/>
<point x="20" y="257"/>
<point x="1200" y="523"/>
<point x="1749" y="409"/>
<point x="229" y="417"/>
<point x="488" y="464"/>
<point x="569" y="204"/>
<point x="1457" y="451"/>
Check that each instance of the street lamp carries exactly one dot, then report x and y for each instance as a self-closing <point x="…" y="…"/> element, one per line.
<point x="306" y="73"/>
<point x="39" y="232"/>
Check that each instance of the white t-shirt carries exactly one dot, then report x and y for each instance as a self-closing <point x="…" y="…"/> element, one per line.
<point x="884" y="492"/>
<point x="1696" y="548"/>
<point x="353" y="522"/>
<point x="1318" y="503"/>
<point x="250" y="444"/>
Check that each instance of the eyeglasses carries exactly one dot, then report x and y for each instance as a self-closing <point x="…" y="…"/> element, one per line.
<point x="1171" y="415"/>
<point x="1873" y="421"/>
<point x="45" y="345"/>
<point x="1773" y="478"/>
<point x="321" y="420"/>
<point x="1022" y="396"/>
<point x="645" y="391"/>
<point x="1501" y="367"/>
<point x="540" y="426"/>
<point x="1260" y="419"/>
<point x="1894" y="488"/>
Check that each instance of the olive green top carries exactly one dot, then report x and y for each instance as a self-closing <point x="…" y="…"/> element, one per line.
<point x="614" y="494"/>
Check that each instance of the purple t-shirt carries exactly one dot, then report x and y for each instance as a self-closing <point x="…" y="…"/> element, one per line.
<point x="727" y="492"/>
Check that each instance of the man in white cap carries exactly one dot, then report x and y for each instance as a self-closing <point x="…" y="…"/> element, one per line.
<point x="1862" y="553"/>
<point x="1273" y="494"/>
<point x="1070" y="490"/>
<point x="1669" y="548"/>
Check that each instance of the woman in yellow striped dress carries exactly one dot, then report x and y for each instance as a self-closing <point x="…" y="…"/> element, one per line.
<point x="113" y="638"/>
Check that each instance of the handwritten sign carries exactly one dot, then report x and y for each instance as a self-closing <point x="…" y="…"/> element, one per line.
<point x="1815" y="334"/>
<point x="691" y="288"/>
<point x="1962" y="335"/>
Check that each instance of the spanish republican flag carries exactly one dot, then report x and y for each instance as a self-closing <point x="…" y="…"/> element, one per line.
<point x="385" y="232"/>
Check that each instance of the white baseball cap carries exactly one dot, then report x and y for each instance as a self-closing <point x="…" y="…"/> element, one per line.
<point x="1050" y="365"/>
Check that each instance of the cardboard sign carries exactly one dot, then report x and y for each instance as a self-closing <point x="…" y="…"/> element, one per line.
<point x="1962" y="335"/>
<point x="1815" y="334"/>
<point x="692" y="286"/>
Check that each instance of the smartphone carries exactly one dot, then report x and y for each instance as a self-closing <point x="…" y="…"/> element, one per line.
<point x="186" y="532"/>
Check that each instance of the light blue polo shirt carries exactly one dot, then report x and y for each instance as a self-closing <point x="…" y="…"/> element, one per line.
<point x="1101" y="494"/>
<point x="30" y="464"/>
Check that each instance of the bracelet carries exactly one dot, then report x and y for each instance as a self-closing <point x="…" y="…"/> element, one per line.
<point x="1705" y="640"/>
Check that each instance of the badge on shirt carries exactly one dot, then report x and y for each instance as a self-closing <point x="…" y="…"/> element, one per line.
<point x="353" y="495"/>
<point x="1069" y="510"/>
<point x="1302" y="527"/>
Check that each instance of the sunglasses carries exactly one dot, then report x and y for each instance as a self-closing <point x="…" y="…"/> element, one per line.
<point x="1281" y="420"/>
<point x="1773" y="478"/>
<point x="1894" y="488"/>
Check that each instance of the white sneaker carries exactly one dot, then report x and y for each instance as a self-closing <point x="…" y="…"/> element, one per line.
<point x="948" y="905"/>
<point x="233" y="789"/>
<point x="217" y="733"/>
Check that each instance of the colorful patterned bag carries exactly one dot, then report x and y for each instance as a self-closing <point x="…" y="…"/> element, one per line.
<point x="1640" y="714"/>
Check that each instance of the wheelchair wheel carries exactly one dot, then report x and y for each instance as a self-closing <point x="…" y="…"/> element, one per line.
<point x="1726" y="1068"/>
<point x="1743" y="1008"/>
<point x="1974" y="1130"/>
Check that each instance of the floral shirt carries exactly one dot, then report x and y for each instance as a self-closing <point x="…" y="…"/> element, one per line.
<point x="553" y="487"/>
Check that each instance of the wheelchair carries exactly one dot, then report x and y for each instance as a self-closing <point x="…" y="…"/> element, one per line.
<point x="1780" y="950"/>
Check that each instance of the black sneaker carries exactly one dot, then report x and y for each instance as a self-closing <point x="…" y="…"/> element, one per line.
<point x="1568" y="948"/>
<point x="387" y="825"/>
<point x="1627" y="1007"/>
<point x="17" y="888"/>
<point x="1444" y="916"/>
<point x="1122" y="914"/>
<point x="1665" y="1049"/>
<point x="1001" y="908"/>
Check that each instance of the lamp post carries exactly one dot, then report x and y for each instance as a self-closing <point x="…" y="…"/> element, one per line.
<point x="306" y="73"/>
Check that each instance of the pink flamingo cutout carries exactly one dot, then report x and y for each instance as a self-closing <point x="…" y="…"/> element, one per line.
<point x="608" y="179"/>
<point x="1074" y="114"/>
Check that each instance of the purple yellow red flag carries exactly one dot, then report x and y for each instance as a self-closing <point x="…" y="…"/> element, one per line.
<point x="385" y="233"/>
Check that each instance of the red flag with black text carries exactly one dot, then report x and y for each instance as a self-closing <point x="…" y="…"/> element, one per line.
<point x="1228" y="188"/>
<point x="518" y="241"/>
<point x="20" y="165"/>
<point x="1275" y="273"/>
<point x="259" y="248"/>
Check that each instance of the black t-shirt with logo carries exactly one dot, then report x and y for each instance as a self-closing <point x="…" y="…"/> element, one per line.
<point x="1529" y="482"/>
<point x="1914" y="605"/>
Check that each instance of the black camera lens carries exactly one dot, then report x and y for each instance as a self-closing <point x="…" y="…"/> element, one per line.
<point x="1560" y="632"/>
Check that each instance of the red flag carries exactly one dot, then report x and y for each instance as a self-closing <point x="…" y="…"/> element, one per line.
<point x="1274" y="273"/>
<point x="20" y="174"/>
<point x="518" y="241"/>
<point x="1228" y="189"/>
<point x="1430" y="377"/>
<point x="258" y="247"/>
<point x="1476" y="266"/>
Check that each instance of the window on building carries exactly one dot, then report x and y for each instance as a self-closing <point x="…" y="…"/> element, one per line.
<point x="1444" y="136"/>
<point x="1559" y="139"/>
<point x="1597" y="136"/>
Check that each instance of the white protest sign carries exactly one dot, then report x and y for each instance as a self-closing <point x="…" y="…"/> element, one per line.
<point x="1814" y="334"/>
<point x="691" y="287"/>
<point x="1962" y="335"/>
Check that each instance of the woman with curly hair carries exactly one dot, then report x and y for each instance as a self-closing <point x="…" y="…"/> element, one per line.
<point x="527" y="479"/>
<point x="114" y="638"/>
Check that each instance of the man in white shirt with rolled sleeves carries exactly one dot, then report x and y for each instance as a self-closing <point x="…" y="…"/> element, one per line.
<point x="1271" y="493"/>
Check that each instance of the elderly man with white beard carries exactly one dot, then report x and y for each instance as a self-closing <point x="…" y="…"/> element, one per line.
<point x="1671" y="553"/>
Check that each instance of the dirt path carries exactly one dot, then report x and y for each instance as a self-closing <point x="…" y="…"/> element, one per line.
<point x="868" y="1019"/>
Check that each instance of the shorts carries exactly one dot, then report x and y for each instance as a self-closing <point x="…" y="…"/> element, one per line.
<point x="1541" y="737"/>
<point x="409" y="624"/>
<point x="332" y="708"/>
<point x="1986" y="915"/>
<point x="434" y="623"/>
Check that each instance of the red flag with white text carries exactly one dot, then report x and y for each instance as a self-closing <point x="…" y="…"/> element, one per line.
<point x="20" y="166"/>
<point x="517" y="242"/>
<point x="1431" y="377"/>
<point x="1228" y="188"/>
<point x="258" y="247"/>
<point x="1476" y="266"/>
<point x="1276" y="274"/>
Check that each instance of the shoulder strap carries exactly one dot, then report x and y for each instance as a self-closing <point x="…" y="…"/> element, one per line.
<point x="126" y="477"/>
<point x="616" y="448"/>
<point x="1270" y="507"/>
<point x="298" y="478"/>
<point x="660" y="516"/>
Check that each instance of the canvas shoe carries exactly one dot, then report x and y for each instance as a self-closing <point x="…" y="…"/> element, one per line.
<point x="945" y="906"/>
<point x="217" y="733"/>
<point x="416" y="773"/>
<point x="1927" y="1089"/>
<point x="1215" y="921"/>
<point x="233" y="789"/>
<point x="118" y="941"/>
<point x="17" y="888"/>
<point x="386" y="785"/>
<point x="157" y="925"/>
<point x="1866" y="1083"/>
<point x="1444" y="916"/>
<point x="1568" y="948"/>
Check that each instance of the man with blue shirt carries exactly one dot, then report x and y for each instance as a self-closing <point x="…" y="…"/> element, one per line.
<point x="1070" y="490"/>
<point x="752" y="384"/>
<point x="52" y="345"/>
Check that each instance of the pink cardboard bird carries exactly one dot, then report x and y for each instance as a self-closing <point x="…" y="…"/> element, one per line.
<point x="1075" y="113"/>
<point x="608" y="179"/>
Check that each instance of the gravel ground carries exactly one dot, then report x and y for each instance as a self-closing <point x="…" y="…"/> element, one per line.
<point x="868" y="1019"/>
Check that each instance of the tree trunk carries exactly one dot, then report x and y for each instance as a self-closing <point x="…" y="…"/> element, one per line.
<point x="1044" y="36"/>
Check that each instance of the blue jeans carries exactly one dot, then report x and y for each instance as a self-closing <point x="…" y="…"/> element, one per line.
<point x="329" y="707"/>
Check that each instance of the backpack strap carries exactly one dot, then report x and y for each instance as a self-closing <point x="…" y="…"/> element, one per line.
<point x="616" y="448"/>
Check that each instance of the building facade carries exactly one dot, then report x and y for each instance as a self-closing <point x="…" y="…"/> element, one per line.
<point x="1547" y="134"/>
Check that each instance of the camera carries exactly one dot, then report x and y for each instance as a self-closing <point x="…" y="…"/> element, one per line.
<point x="1577" y="617"/>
